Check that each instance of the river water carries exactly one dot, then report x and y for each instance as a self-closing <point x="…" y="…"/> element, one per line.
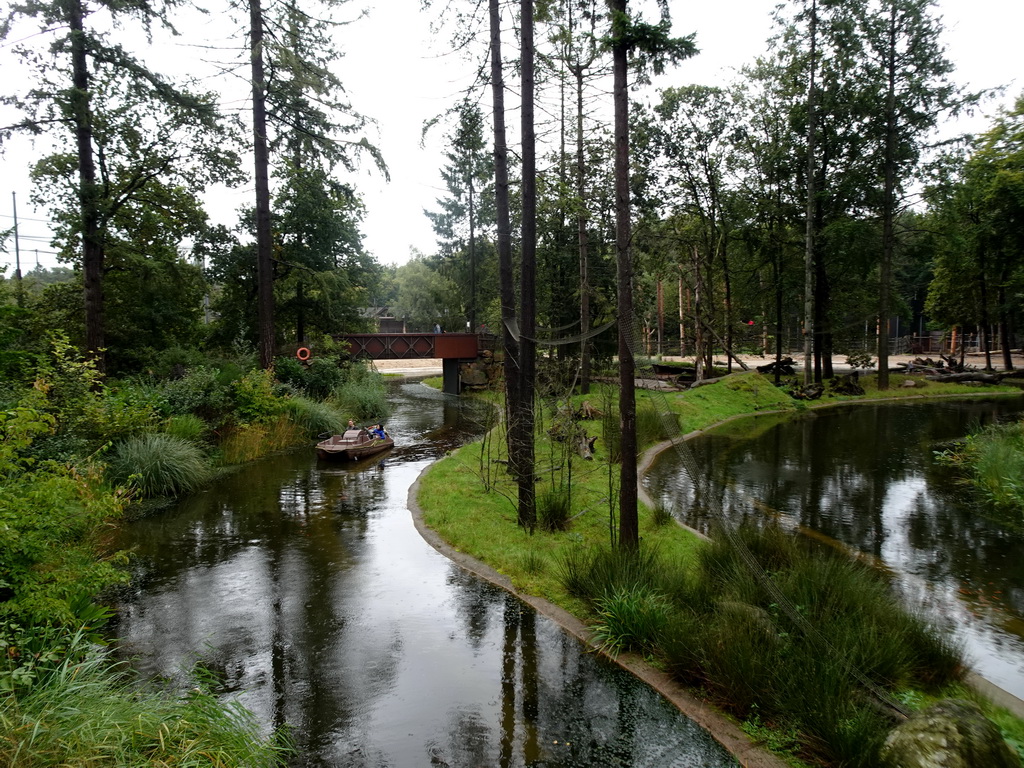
<point x="865" y="477"/>
<point x="304" y="588"/>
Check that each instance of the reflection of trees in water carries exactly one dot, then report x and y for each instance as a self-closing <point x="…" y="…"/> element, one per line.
<point x="866" y="477"/>
<point x="474" y="598"/>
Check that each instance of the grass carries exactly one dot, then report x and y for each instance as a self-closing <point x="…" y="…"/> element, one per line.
<point x="88" y="712"/>
<point x="314" y="417"/>
<point x="994" y="460"/>
<point x="158" y="464"/>
<point x="702" y="618"/>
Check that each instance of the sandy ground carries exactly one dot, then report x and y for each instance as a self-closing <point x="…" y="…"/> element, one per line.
<point x="432" y="366"/>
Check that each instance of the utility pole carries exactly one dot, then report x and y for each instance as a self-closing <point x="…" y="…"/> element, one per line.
<point x="17" y="251"/>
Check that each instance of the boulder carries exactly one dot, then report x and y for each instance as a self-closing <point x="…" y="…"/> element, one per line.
<point x="950" y="734"/>
<point x="472" y="376"/>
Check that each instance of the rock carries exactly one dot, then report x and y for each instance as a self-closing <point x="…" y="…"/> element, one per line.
<point x="909" y="384"/>
<point x="950" y="734"/>
<point x="473" y="376"/>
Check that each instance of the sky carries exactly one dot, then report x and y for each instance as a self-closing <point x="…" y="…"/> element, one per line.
<point x="396" y="72"/>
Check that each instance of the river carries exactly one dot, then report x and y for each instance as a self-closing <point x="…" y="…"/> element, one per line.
<point x="865" y="477"/>
<point x="306" y="592"/>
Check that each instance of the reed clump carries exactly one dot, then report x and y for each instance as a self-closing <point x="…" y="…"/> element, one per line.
<point x="314" y="417"/>
<point x="86" y="710"/>
<point x="782" y="654"/>
<point x="158" y="464"/>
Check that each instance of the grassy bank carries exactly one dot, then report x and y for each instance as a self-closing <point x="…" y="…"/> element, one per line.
<point x="993" y="460"/>
<point x="78" y="451"/>
<point x="689" y="610"/>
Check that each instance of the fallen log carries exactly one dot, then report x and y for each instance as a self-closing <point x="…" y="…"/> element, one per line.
<point x="984" y="378"/>
<point x="702" y="382"/>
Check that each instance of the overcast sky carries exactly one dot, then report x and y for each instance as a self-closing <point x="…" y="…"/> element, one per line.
<point x="395" y="73"/>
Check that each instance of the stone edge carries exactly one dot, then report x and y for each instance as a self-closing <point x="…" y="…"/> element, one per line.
<point x="723" y="730"/>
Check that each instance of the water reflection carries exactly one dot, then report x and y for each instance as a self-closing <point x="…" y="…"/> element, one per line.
<point x="306" y="590"/>
<point x="865" y="476"/>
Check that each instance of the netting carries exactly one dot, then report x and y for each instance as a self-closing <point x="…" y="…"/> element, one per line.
<point x="702" y="486"/>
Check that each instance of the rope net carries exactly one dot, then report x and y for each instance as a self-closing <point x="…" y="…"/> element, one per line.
<point x="722" y="527"/>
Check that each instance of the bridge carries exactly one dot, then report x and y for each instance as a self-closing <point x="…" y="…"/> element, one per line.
<point x="451" y="348"/>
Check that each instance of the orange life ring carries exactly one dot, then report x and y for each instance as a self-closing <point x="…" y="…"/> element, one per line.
<point x="302" y="353"/>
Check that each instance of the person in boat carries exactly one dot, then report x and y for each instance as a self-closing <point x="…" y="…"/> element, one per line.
<point x="377" y="430"/>
<point x="351" y="424"/>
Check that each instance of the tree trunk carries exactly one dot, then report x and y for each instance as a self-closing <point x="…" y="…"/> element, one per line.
<point x="629" y="537"/>
<point x="582" y="237"/>
<point x="472" y="256"/>
<point x="1004" y="323"/>
<point x="501" y="203"/>
<point x="809" y="237"/>
<point x="88" y="189"/>
<point x="983" y="327"/>
<point x="527" y="276"/>
<point x="261" y="158"/>
<point x="889" y="206"/>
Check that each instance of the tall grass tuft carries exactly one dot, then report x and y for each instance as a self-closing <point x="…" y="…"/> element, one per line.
<point x="158" y="464"/>
<point x="661" y="514"/>
<point x="554" y="510"/>
<point x="87" y="712"/>
<point x="998" y="458"/>
<point x="363" y="395"/>
<point x="314" y="417"/>
<point x="725" y="629"/>
<point x="188" y="427"/>
<point x="592" y="573"/>
<point x="633" y="617"/>
<point x="252" y="441"/>
<point x="651" y="426"/>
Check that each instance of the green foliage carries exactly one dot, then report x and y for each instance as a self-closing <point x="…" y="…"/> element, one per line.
<point x="631" y="618"/>
<point x="314" y="417"/>
<point x="158" y="464"/>
<point x="993" y="458"/>
<point x="254" y="397"/>
<point x="50" y="514"/>
<point x="198" y="392"/>
<point x="187" y="427"/>
<point x="553" y="510"/>
<point x="318" y="379"/>
<point x="87" y="711"/>
<point x="720" y="627"/>
<point x="363" y="395"/>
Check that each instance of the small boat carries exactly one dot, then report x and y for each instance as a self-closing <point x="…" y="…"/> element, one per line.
<point x="353" y="444"/>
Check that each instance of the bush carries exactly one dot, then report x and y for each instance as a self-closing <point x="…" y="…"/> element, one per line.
<point x="199" y="392"/>
<point x="254" y="397"/>
<point x="50" y="514"/>
<point x="158" y="464"/>
<point x="631" y="618"/>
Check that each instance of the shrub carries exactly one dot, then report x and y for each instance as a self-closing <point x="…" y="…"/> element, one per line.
<point x="252" y="441"/>
<point x="158" y="464"/>
<point x="198" y="392"/>
<point x="661" y="514"/>
<point x="254" y="397"/>
<point x="50" y="514"/>
<point x="323" y="376"/>
<point x="363" y="395"/>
